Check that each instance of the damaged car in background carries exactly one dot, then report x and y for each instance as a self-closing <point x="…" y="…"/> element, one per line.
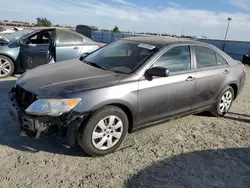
<point x="32" y="47"/>
<point x="4" y="31"/>
<point x="96" y="100"/>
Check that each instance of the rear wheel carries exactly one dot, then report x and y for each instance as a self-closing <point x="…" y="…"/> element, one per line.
<point x="6" y="66"/>
<point x="224" y="102"/>
<point x="104" y="131"/>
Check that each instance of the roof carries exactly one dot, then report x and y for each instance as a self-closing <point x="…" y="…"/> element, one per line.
<point x="161" y="40"/>
<point x="47" y="28"/>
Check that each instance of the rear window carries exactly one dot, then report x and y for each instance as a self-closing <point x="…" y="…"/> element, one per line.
<point x="121" y="56"/>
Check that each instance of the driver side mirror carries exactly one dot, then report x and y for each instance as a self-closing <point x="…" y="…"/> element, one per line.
<point x="157" y="71"/>
<point x="22" y="41"/>
<point x="83" y="56"/>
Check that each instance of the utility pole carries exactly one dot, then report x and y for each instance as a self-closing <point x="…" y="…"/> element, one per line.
<point x="229" y="20"/>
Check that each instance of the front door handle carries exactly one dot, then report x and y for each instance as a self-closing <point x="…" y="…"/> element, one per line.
<point x="226" y="72"/>
<point x="190" y="79"/>
<point x="76" y="48"/>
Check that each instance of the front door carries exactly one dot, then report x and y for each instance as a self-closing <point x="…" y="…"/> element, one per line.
<point x="211" y="75"/>
<point x="164" y="97"/>
<point x="34" y="50"/>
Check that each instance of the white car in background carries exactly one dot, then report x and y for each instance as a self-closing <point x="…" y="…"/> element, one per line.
<point x="5" y="31"/>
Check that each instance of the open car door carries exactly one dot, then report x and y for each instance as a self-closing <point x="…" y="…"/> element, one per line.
<point x="35" y="50"/>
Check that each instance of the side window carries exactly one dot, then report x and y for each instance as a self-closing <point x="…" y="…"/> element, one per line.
<point x="46" y="35"/>
<point x="86" y="39"/>
<point x="205" y="57"/>
<point x="65" y="37"/>
<point x="34" y="37"/>
<point x="176" y="59"/>
<point x="220" y="60"/>
<point x="78" y="39"/>
<point x="40" y="38"/>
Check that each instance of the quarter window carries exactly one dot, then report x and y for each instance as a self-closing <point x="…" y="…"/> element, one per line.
<point x="176" y="59"/>
<point x="221" y="60"/>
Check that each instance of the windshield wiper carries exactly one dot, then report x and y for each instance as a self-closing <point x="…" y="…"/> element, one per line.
<point x="117" y="71"/>
<point x="95" y="65"/>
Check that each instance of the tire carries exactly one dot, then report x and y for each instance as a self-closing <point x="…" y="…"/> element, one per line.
<point x="99" y="124"/>
<point x="217" y="110"/>
<point x="7" y="66"/>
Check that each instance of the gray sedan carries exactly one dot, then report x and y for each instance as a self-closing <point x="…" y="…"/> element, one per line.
<point x="32" y="47"/>
<point x="124" y="86"/>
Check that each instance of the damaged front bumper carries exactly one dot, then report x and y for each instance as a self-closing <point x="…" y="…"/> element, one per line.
<point x="65" y="125"/>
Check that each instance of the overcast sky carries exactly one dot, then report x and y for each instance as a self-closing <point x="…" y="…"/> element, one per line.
<point x="190" y="17"/>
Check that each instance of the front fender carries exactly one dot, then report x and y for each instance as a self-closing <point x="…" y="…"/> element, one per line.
<point x="13" y="52"/>
<point x="124" y="94"/>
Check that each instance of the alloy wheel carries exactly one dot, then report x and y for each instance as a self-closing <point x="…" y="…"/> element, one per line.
<point x="5" y="67"/>
<point x="107" y="132"/>
<point x="225" y="102"/>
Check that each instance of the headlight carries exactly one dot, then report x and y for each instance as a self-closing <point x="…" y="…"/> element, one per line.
<point x="52" y="107"/>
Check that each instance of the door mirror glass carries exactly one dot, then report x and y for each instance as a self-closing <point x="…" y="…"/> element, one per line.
<point x="21" y="41"/>
<point x="157" y="71"/>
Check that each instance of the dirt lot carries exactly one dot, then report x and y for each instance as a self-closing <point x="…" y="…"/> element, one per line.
<point x="195" y="151"/>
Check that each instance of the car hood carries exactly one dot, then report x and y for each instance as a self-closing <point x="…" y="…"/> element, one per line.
<point x="64" y="78"/>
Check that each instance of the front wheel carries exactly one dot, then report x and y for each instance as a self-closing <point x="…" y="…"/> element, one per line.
<point x="104" y="131"/>
<point x="6" y="66"/>
<point x="224" y="102"/>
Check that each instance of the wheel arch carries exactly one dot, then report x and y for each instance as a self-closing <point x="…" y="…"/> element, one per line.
<point x="128" y="112"/>
<point x="235" y="88"/>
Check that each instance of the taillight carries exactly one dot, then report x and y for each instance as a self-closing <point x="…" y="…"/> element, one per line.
<point x="99" y="45"/>
<point x="244" y="71"/>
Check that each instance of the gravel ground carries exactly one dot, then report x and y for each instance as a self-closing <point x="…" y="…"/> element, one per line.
<point x="195" y="151"/>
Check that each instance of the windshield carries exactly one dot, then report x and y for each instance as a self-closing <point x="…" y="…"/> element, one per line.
<point x="18" y="34"/>
<point x="122" y="56"/>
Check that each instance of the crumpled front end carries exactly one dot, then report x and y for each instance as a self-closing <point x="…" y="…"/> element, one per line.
<point x="65" y="125"/>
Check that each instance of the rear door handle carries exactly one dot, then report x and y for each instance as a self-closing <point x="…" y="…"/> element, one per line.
<point x="226" y="72"/>
<point x="190" y="79"/>
<point x="76" y="48"/>
<point x="41" y="51"/>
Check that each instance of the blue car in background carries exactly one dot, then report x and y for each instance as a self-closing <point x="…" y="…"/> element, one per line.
<point x="32" y="47"/>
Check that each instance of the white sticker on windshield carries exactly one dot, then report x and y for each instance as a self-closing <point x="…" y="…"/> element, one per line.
<point x="147" y="46"/>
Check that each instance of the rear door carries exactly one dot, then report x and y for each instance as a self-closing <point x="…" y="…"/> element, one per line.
<point x="88" y="45"/>
<point x="68" y="45"/>
<point x="211" y="73"/>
